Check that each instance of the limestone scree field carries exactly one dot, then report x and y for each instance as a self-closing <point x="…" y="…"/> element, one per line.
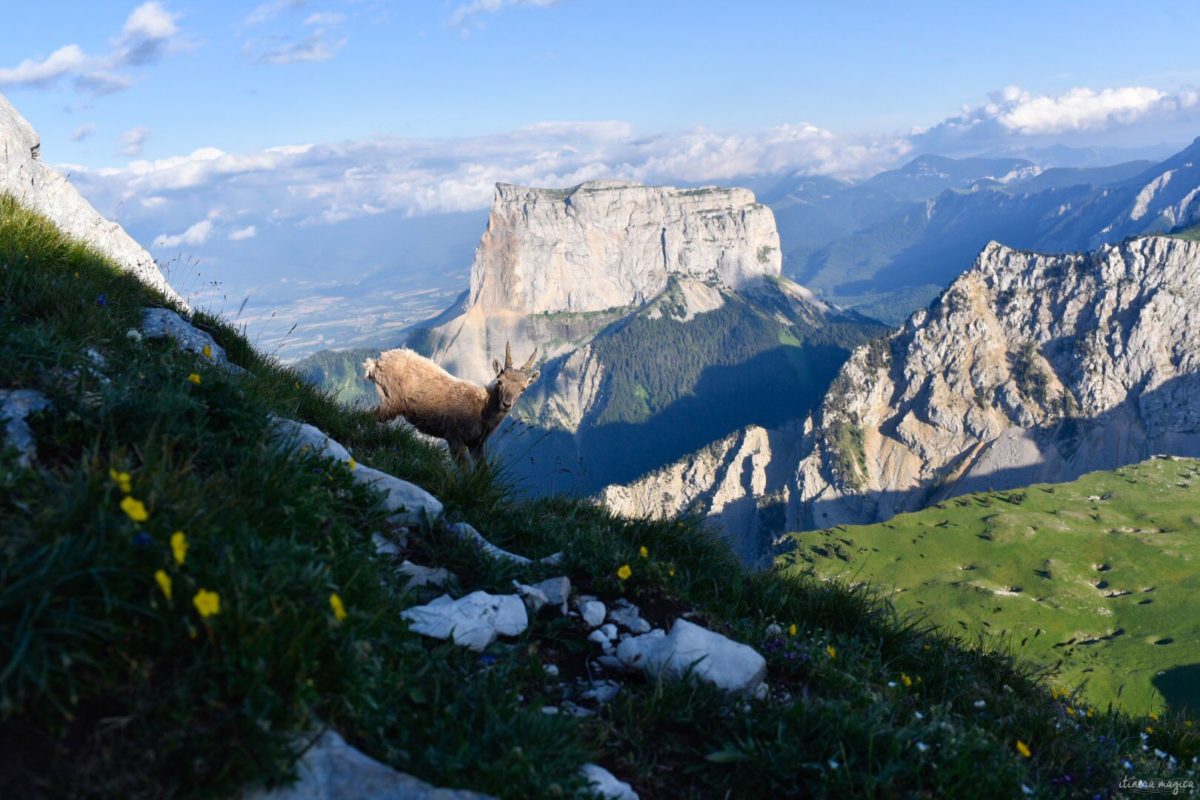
<point x="1095" y="579"/>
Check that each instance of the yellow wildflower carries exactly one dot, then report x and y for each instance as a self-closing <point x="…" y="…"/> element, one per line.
<point x="671" y="571"/>
<point x="179" y="546"/>
<point x="792" y="629"/>
<point x="122" y="479"/>
<point x="907" y="681"/>
<point x="643" y="552"/>
<point x="352" y="464"/>
<point x="1070" y="711"/>
<point x="1023" y="749"/>
<point x="624" y="572"/>
<point x="194" y="378"/>
<point x="831" y="650"/>
<point x="136" y="509"/>
<point x="164" y="583"/>
<point x="207" y="603"/>
<point x="1090" y="712"/>
<point x="207" y="351"/>
<point x="1153" y="715"/>
<point x="339" y="610"/>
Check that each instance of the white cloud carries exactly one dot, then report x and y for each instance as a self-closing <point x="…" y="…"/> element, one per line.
<point x="314" y="47"/>
<point x="1014" y="112"/>
<point x="467" y="11"/>
<point x="133" y="140"/>
<point x="83" y="132"/>
<point x="194" y="235"/>
<point x="148" y="33"/>
<point x="240" y="234"/>
<point x="270" y="10"/>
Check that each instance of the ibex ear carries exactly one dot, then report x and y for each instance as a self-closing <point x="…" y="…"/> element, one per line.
<point x="496" y="366"/>
<point x="537" y="373"/>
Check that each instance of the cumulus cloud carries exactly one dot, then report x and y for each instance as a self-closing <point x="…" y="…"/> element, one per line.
<point x="1015" y="113"/>
<point x="464" y="13"/>
<point x="241" y="234"/>
<point x="149" y="32"/>
<point x="83" y="132"/>
<point x="133" y="140"/>
<point x="194" y="235"/>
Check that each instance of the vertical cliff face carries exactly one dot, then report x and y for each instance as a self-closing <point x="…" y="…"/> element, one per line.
<point x="555" y="264"/>
<point x="604" y="244"/>
<point x="40" y="188"/>
<point x="1028" y="368"/>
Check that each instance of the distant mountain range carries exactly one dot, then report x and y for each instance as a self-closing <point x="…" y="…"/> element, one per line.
<point x="888" y="245"/>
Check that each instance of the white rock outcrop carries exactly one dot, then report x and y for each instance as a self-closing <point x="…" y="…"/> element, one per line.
<point x="473" y="621"/>
<point x="333" y="770"/>
<point x="1028" y="368"/>
<point x="595" y="247"/>
<point x="604" y="784"/>
<point x="15" y="406"/>
<point x="710" y="657"/>
<point x="42" y="189"/>
<point x="160" y="323"/>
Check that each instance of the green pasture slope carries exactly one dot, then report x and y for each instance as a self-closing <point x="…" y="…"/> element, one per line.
<point x="1098" y="579"/>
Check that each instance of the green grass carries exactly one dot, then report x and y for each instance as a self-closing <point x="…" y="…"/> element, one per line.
<point x="110" y="689"/>
<point x="1096" y="578"/>
<point x="1192" y="234"/>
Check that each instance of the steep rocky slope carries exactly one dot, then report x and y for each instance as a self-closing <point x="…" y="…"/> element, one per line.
<point x="26" y="177"/>
<point x="1028" y="368"/>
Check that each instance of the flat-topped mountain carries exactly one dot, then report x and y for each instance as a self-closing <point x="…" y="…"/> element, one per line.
<point x="604" y="244"/>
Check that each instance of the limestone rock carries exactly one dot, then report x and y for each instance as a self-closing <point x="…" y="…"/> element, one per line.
<point x="592" y="610"/>
<point x="39" y="187"/>
<point x="473" y="621"/>
<point x="15" y="406"/>
<point x="711" y="657"/>
<point x="595" y="247"/>
<point x="556" y="591"/>
<point x="606" y="785"/>
<point x="300" y="436"/>
<point x="158" y="323"/>
<point x="333" y="770"/>
<point x="466" y="531"/>
<point x="422" y="576"/>
<point x="408" y="503"/>
<point x="1028" y="368"/>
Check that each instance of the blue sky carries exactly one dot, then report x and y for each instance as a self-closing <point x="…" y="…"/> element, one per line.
<point x="455" y="69"/>
<point x="227" y="134"/>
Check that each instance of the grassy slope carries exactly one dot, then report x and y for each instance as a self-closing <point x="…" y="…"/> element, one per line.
<point x="1036" y="570"/>
<point x="108" y="688"/>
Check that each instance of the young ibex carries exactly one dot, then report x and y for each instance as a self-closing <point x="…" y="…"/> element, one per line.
<point x="441" y="405"/>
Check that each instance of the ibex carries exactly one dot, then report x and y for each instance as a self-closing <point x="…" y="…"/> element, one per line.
<point x="439" y="404"/>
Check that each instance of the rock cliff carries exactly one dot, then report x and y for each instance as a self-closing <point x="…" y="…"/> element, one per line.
<point x="552" y="262"/>
<point x="42" y="189"/>
<point x="1028" y="368"/>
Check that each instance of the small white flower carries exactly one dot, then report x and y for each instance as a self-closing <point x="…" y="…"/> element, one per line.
<point x="1025" y="790"/>
<point x="1128" y="765"/>
<point x="922" y="747"/>
<point x="133" y="335"/>
<point x="1159" y="753"/>
<point x="833" y="764"/>
<point x="918" y="715"/>
<point x="981" y="704"/>
<point x="891" y="684"/>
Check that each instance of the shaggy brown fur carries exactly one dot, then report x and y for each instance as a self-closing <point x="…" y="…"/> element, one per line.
<point x="441" y="405"/>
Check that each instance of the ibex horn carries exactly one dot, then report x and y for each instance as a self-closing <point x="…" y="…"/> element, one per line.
<point x="529" y="363"/>
<point x="507" y="355"/>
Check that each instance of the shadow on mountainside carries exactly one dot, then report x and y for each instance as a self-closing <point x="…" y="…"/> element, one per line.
<point x="770" y="389"/>
<point x="1180" y="687"/>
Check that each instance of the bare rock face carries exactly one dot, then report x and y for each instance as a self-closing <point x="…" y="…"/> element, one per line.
<point x="557" y="265"/>
<point x="40" y="188"/>
<point x="1028" y="368"/>
<point x="604" y="244"/>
